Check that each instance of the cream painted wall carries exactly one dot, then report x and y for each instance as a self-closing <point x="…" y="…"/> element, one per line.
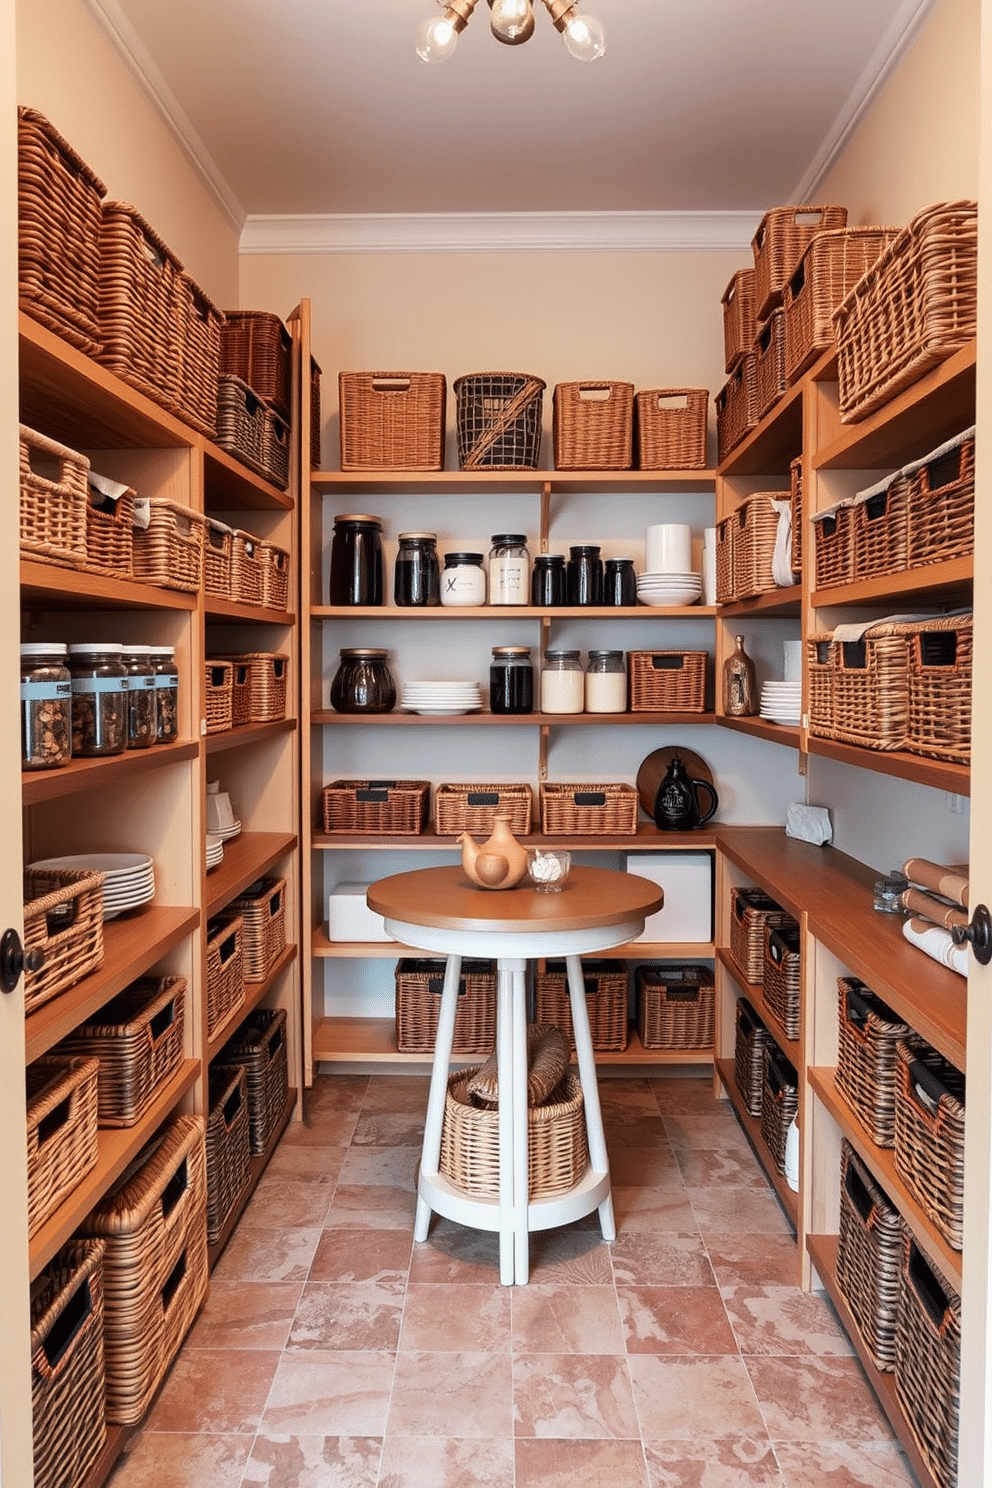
<point x="67" y="69"/>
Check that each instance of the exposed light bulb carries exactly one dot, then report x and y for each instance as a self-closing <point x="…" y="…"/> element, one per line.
<point x="436" y="39"/>
<point x="512" y="21"/>
<point x="584" y="37"/>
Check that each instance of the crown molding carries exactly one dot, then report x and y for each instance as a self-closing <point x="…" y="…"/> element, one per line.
<point x="472" y="232"/>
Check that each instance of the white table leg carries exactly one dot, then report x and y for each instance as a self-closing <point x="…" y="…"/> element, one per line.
<point x="431" y="1152"/>
<point x="598" y="1158"/>
<point x="511" y="1035"/>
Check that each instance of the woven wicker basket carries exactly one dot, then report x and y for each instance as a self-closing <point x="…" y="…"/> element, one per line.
<point x="751" y="1039"/>
<point x="606" y="989"/>
<point x="828" y="270"/>
<point x="667" y="681"/>
<point x="68" y="1420"/>
<point x="739" y="328"/>
<point x="869" y="1257"/>
<point x="251" y="431"/>
<point x="779" y="1102"/>
<point x="267" y="682"/>
<point x="670" y="428"/>
<point x="914" y="307"/>
<point x="240" y="694"/>
<point x="498" y="423"/>
<point x="781" y="975"/>
<point x="778" y="244"/>
<point x="393" y="807"/>
<point x="929" y="1145"/>
<point x="547" y="1063"/>
<point x="138" y="1039"/>
<point x="139" y="285"/>
<point x="419" y="984"/>
<point x="198" y="324"/>
<point x="247" y="568"/>
<point x="54" y="497"/>
<point x="153" y="1224"/>
<point x="588" y="810"/>
<point x="61" y="1130"/>
<point x="941" y="503"/>
<point x="725" y="560"/>
<point x="833" y="545"/>
<point x="169" y="552"/>
<point x="928" y="1361"/>
<point x="736" y="407"/>
<point x="879" y="523"/>
<point x="315" y="419"/>
<point x="750" y="911"/>
<point x="755" y="524"/>
<point x="473" y="808"/>
<point x="593" y="425"/>
<point x="227" y="1149"/>
<point x="796" y="506"/>
<point x="257" y="348"/>
<point x="218" y="683"/>
<point x="59" y="210"/>
<point x="675" y="1003"/>
<point x="63" y="921"/>
<point x="557" y="1154"/>
<point x="259" y="1048"/>
<point x="110" y="534"/>
<point x="770" y="379"/>
<point x="275" y="576"/>
<point x="392" y="420"/>
<point x="866" y="1058"/>
<point x="225" y="972"/>
<point x="262" y="909"/>
<point x="217" y="538"/>
<point x="940" y="668"/>
<point x="867" y="691"/>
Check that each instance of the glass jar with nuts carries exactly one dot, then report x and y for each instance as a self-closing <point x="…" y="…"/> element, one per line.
<point x="99" y="698"/>
<point x="46" y="706"/>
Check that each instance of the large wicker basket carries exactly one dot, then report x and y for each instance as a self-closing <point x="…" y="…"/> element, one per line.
<point x="605" y="982"/>
<point x="675" y="1003"/>
<point x="755" y="529"/>
<point x="393" y="807"/>
<point x="557" y="1154"/>
<point x="392" y="420"/>
<point x="419" y="984"/>
<point x="63" y="921"/>
<point x="593" y="425"/>
<point x="869" y="1257"/>
<point x="473" y="808"/>
<point x="69" y="1424"/>
<point x="54" y="497"/>
<point x="259" y="1048"/>
<point x="739" y="326"/>
<point x="670" y="428"/>
<point x="833" y="545"/>
<point x="139" y="285"/>
<point x="941" y="503"/>
<point x="138" y="1039"/>
<point x="667" y="681"/>
<point x="499" y="420"/>
<point x="928" y="1361"/>
<point x="588" y="810"/>
<point x="866" y="695"/>
<point x="830" y="267"/>
<point x="61" y="1130"/>
<point x="198" y="324"/>
<point x="779" y="242"/>
<point x="227" y="1149"/>
<point x="256" y="347"/>
<point x="940" y="667"/>
<point x="866" y="1058"/>
<point x="929" y="1145"/>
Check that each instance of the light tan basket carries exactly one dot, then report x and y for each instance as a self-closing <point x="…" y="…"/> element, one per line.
<point x="593" y="425"/>
<point x="110" y="535"/>
<point x="755" y="524"/>
<point x="169" y="552"/>
<point x="828" y="270"/>
<point x="218" y="684"/>
<point x="865" y="699"/>
<point x="54" y="483"/>
<point x="262" y="909"/>
<point x="419" y="984"/>
<point x="670" y="426"/>
<point x="247" y="568"/>
<point x="667" y="681"/>
<point x="275" y="576"/>
<point x="217" y="538"/>
<point x="63" y="924"/>
<point x="779" y="242"/>
<point x="473" y="808"/>
<point x="739" y="326"/>
<point x="267" y="681"/>
<point x="606" y="984"/>
<point x="69" y="1424"/>
<point x="725" y="577"/>
<point x="138" y="1039"/>
<point x="61" y="1131"/>
<point x="588" y="810"/>
<point x="557" y="1154"/>
<point x="675" y="1005"/>
<point x="392" y="420"/>
<point x="225" y="972"/>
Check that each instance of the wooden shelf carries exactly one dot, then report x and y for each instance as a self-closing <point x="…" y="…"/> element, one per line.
<point x="762" y="728"/>
<point x="247" y="733"/>
<point x="349" y="950"/>
<point x="752" y="1128"/>
<point x="88" y="774"/>
<point x="384" y="482"/>
<point x="485" y="719"/>
<point x="646" y="838"/>
<point x="938" y="584"/>
<point x="511" y="612"/>
<point x="245" y="858"/>
<point x="777" y="602"/>
<point x="938" y="774"/>
<point x="218" y="611"/>
<point x="47" y="587"/>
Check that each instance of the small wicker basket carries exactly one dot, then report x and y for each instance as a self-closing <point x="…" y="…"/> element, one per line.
<point x="750" y="911"/>
<point x="228" y="1152"/>
<point x="63" y="922"/>
<point x="266" y="679"/>
<point x="739" y="328"/>
<point x="606" y="985"/>
<point x="869" y="1257"/>
<point x="755" y="530"/>
<point x="251" y="431"/>
<point x="675" y="1003"/>
<point x="778" y="244"/>
<point x="138" y="1039"/>
<point x="259" y="1049"/>
<point x="392" y="420"/>
<point x="256" y="347"/>
<point x="217" y="538"/>
<point x="751" y="1039"/>
<point x="770" y="379"/>
<point x="198" y="325"/>
<point x="388" y="807"/>
<point x="593" y="425"/>
<point x="61" y="1130"/>
<point x="940" y="670"/>
<point x="557" y="1154"/>
<point x="110" y="534"/>
<point x="833" y="545"/>
<point x="262" y="909"/>
<point x="667" y="681"/>
<point x="247" y="568"/>
<point x="736" y="407"/>
<point x="941" y="503"/>
<point x="670" y="425"/>
<point x="218" y="684"/>
<point x="588" y="810"/>
<point x="139" y="287"/>
<point x="419" y="984"/>
<point x="275" y="576"/>
<point x="225" y="973"/>
<point x="54" y="497"/>
<point x="169" y="552"/>
<point x="929" y="1145"/>
<point x="866" y="1058"/>
<point x="473" y="808"/>
<point x="781" y="976"/>
<point x="69" y="1424"/>
<point x="779" y="1102"/>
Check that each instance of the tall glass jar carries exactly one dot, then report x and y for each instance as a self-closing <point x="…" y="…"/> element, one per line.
<point x="141" y="720"/>
<point x="363" y="682"/>
<point x="163" y="659"/>
<point x="509" y="569"/>
<point x="619" y="582"/>
<point x="547" y="584"/>
<point x="99" y="698"/>
<point x="356" y="561"/>
<point x="740" y="689"/>
<point x="606" y="683"/>
<point x="561" y="683"/>
<point x="464" y="579"/>
<point x="46" y="706"/>
<point x="584" y="573"/>
<point x="511" y="680"/>
<point x="416" y="575"/>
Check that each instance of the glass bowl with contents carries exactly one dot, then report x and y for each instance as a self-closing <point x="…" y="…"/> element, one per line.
<point x="547" y="868"/>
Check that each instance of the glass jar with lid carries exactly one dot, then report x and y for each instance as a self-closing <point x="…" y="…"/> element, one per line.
<point x="511" y="680"/>
<point x="619" y="582"/>
<point x="464" y="579"/>
<point x="416" y="577"/>
<point x="561" y="682"/>
<point x="141" y="720"/>
<point x="606" y="683"/>
<point x="163" y="659"/>
<point x="363" y="682"/>
<point x="547" y="585"/>
<point x="584" y="575"/>
<point x="509" y="569"/>
<point x="46" y="706"/>
<point x="99" y="698"/>
<point x="356" y="560"/>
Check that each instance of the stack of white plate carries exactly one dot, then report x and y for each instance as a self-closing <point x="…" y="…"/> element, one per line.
<point x="214" y="849"/>
<point x="669" y="588"/>
<point x="442" y="697"/>
<point x="128" y="878"/>
<point x="781" y="701"/>
<point x="223" y="834"/>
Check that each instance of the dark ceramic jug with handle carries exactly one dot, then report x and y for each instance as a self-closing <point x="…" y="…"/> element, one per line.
<point x="676" y="807"/>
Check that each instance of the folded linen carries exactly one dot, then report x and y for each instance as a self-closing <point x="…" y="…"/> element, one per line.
<point x="930" y="907"/>
<point x="949" y="880"/>
<point x="937" y="943"/>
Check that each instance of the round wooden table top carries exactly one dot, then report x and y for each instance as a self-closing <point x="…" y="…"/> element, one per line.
<point x="447" y="899"/>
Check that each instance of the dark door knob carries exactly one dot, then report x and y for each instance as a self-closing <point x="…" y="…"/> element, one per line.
<point x="13" y="960"/>
<point x="978" y="934"/>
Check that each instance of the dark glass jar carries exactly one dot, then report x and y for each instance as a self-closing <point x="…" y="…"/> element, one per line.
<point x="363" y="682"/>
<point x="511" y="680"/>
<point x="416" y="575"/>
<point x="584" y="573"/>
<point x="142" y="725"/>
<point x="619" y="582"/>
<point x="547" y="586"/>
<point x="356" y="561"/>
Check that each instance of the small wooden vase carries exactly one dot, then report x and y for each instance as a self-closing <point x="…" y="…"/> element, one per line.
<point x="500" y="863"/>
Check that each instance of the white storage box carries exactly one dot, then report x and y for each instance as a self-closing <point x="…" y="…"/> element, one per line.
<point x="349" y="917"/>
<point x="687" y="879"/>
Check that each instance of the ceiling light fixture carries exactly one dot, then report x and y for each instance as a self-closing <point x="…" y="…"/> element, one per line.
<point x="512" y="22"/>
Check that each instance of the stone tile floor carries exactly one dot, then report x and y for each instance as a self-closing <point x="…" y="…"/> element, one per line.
<point x="333" y="1352"/>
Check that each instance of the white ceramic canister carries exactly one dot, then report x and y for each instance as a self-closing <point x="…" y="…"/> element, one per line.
<point x="463" y="581"/>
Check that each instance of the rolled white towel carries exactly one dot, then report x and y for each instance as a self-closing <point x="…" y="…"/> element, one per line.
<point x="937" y="943"/>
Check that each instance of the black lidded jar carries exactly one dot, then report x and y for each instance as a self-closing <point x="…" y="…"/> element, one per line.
<point x="363" y="682"/>
<point x="356" y="561"/>
<point x="547" y="583"/>
<point x="584" y="576"/>
<point x="416" y="574"/>
<point x="619" y="582"/>
<point x="511" y="680"/>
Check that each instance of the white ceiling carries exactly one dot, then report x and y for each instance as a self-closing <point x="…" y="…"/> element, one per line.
<point x="318" y="107"/>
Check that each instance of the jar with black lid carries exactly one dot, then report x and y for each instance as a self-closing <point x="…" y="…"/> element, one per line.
<point x="416" y="577"/>
<point x="141" y="720"/>
<point x="509" y="569"/>
<point x="163" y="659"/>
<point x="547" y="587"/>
<point x="619" y="582"/>
<point x="356" y="561"/>
<point x="511" y="680"/>
<point x="584" y="575"/>
<point x="46" y="706"/>
<point x="363" y="682"/>
<point x="464" y="579"/>
<point x="99" y="698"/>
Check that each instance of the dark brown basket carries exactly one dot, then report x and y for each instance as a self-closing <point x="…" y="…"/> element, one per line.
<point x="606" y="984"/>
<point x="915" y="306"/>
<point x="928" y="1361"/>
<point x="588" y="810"/>
<point x="869" y="1257"/>
<point x="557" y="1152"/>
<point x="225" y="972"/>
<point x="751" y="1039"/>
<point x="394" y="807"/>
<point x="868" y="692"/>
<point x="110" y="534"/>
<point x="940" y="667"/>
<point x="929" y="1145"/>
<point x="770" y="380"/>
<point x="139" y="285"/>
<point x="262" y="909"/>
<point x="169" y="552"/>
<point x="138" y="1039"/>
<point x="736" y="407"/>
<point x="941" y="503"/>
<point x="779" y="1102"/>
<point x="63" y="923"/>
<point x="778" y="244"/>
<point x="59" y="211"/>
<point x="498" y="423"/>
<point x="667" y="681"/>
<point x="739" y="326"/>
<point x="61" y="1130"/>
<point x="198" y="324"/>
<point x="153" y="1224"/>
<point x="473" y="808"/>
<point x="257" y="348"/>
<point x="879" y="536"/>
<point x="796" y="503"/>
<point x="670" y="427"/>
<point x="69" y="1424"/>
<point x="830" y="267"/>
<point x="866" y="1058"/>
<point x="675" y="1004"/>
<point x="419" y="983"/>
<point x="750" y="911"/>
<point x="593" y="425"/>
<point x="218" y="684"/>
<point x="228" y="1152"/>
<point x="54" y="499"/>
<point x="392" y="420"/>
<point x="251" y="431"/>
<point x="259" y="1048"/>
<point x="833" y="545"/>
<point x="782" y="975"/>
<point x="755" y="524"/>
